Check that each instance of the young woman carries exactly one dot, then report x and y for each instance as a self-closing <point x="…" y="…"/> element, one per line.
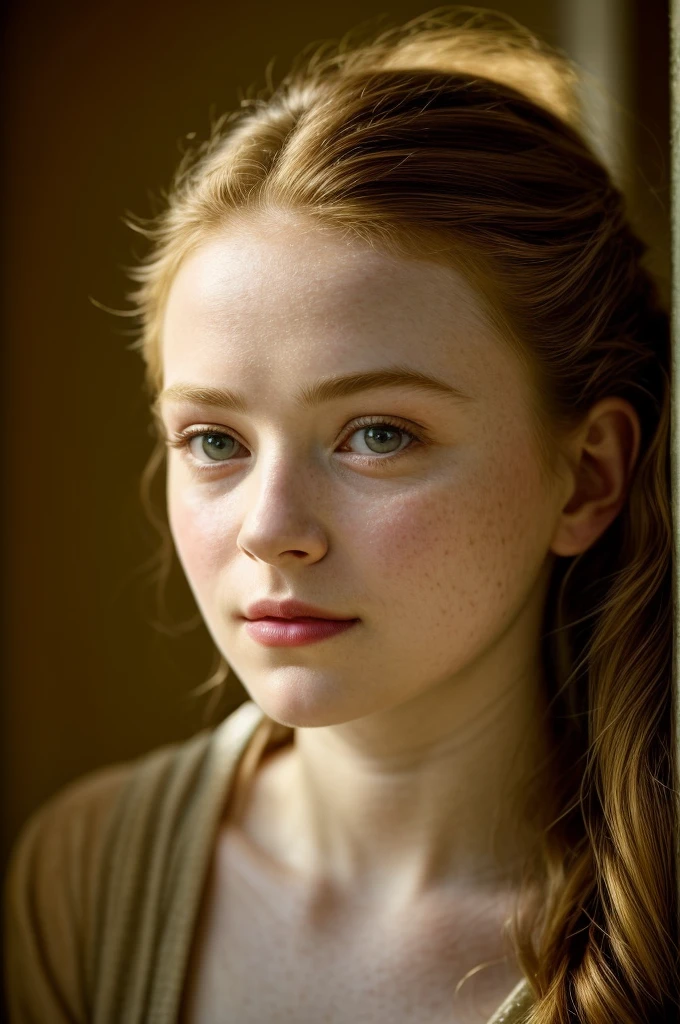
<point x="413" y="383"/>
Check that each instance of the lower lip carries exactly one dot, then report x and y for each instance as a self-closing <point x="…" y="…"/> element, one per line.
<point x="293" y="632"/>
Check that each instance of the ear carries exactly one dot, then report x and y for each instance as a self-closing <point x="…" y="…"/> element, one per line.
<point x="601" y="457"/>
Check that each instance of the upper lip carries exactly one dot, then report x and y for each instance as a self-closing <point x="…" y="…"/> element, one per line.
<point x="289" y="609"/>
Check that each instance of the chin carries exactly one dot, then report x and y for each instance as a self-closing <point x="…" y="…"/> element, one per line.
<point x="299" y="701"/>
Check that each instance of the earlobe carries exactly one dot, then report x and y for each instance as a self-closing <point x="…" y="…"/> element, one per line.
<point x="580" y="529"/>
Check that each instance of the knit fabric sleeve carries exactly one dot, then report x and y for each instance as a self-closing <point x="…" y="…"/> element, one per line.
<point x="49" y="892"/>
<point x="104" y="883"/>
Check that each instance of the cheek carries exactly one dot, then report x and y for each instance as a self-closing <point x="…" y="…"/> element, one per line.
<point x="468" y="543"/>
<point x="202" y="538"/>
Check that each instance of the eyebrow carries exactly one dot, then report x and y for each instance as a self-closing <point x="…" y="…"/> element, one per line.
<point x="327" y="389"/>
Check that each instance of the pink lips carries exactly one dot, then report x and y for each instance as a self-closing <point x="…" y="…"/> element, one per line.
<point x="290" y="608"/>
<point x="274" y="632"/>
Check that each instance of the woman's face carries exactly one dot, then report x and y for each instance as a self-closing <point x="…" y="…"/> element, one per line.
<point x="436" y="545"/>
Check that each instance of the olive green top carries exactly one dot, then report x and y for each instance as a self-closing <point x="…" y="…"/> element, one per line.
<point x="104" y="882"/>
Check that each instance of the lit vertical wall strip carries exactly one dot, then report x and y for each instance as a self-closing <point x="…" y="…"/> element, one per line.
<point x="675" y="366"/>
<point x="597" y="35"/>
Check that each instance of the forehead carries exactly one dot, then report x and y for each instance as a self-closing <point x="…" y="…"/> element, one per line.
<point x="283" y="293"/>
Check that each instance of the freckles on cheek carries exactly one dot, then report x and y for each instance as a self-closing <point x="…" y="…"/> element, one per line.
<point x="403" y="540"/>
<point x="505" y="519"/>
<point x="466" y="540"/>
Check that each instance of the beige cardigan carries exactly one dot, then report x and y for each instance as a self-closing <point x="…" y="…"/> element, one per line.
<point x="104" y="882"/>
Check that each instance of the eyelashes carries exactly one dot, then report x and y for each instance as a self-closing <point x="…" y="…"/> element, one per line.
<point x="417" y="438"/>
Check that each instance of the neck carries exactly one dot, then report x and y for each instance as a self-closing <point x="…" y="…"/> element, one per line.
<point x="417" y="798"/>
<point x="417" y="801"/>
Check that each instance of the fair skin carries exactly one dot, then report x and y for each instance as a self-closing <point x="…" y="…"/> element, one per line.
<point x="414" y="727"/>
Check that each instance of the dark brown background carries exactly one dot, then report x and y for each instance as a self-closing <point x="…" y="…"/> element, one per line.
<point x="98" y="97"/>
